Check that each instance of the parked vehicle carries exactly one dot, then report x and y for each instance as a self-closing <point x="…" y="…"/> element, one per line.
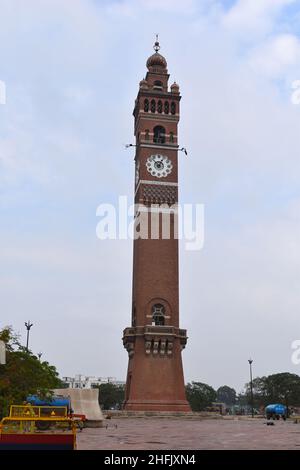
<point x="276" y="411"/>
<point x="60" y="403"/>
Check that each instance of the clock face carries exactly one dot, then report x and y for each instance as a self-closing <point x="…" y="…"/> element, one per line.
<point x="159" y="166"/>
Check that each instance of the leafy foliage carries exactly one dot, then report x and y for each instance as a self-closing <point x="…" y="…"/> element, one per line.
<point x="23" y="374"/>
<point x="226" y="395"/>
<point x="200" y="395"/>
<point x="277" y="388"/>
<point x="111" y="396"/>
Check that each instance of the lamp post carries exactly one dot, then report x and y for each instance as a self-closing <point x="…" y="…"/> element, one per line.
<point x="28" y="326"/>
<point x="40" y="355"/>
<point x="251" y="386"/>
<point x="2" y="353"/>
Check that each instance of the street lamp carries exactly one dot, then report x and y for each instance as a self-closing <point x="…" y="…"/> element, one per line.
<point x="40" y="355"/>
<point x="251" y="386"/>
<point x="28" y="326"/>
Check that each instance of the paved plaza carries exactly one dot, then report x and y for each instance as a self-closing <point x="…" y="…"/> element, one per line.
<point x="185" y="434"/>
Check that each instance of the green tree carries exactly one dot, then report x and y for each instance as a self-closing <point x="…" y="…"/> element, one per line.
<point x="276" y="388"/>
<point x="23" y="374"/>
<point x="226" y="395"/>
<point x="200" y="395"/>
<point x="242" y="399"/>
<point x="111" y="396"/>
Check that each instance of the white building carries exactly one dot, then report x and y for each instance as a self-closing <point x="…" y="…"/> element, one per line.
<point x="84" y="381"/>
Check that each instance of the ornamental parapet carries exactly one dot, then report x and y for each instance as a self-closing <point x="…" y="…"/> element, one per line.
<point x="159" y="340"/>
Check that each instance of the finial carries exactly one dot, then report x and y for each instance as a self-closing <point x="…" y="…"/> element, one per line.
<point x="156" y="46"/>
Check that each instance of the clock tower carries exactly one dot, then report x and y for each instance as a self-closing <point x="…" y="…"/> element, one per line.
<point x="154" y="340"/>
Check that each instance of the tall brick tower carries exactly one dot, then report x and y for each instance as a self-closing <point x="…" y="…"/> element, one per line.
<point x="154" y="341"/>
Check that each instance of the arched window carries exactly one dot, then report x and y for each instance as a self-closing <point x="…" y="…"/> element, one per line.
<point x="173" y="107"/>
<point x="157" y="85"/>
<point x="158" y="315"/>
<point x="159" y="106"/>
<point x="146" y="106"/>
<point x="171" y="137"/>
<point x="159" y="135"/>
<point x="167" y="107"/>
<point x="153" y="106"/>
<point x="147" y="135"/>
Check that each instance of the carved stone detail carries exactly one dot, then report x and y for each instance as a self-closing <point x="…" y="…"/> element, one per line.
<point x="155" y="347"/>
<point x="152" y="194"/>
<point x="170" y="348"/>
<point x="159" y="340"/>
<point x="162" y="347"/>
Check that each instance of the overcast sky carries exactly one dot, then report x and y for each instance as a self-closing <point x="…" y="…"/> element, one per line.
<point x="72" y="69"/>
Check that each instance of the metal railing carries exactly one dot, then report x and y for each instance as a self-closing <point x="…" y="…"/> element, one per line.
<point x="29" y="412"/>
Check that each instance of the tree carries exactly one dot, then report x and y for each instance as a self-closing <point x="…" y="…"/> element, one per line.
<point x="111" y="396"/>
<point x="200" y="395"/>
<point x="276" y="388"/>
<point x="23" y="374"/>
<point x="226" y="395"/>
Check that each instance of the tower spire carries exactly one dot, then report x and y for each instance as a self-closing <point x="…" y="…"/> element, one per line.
<point x="156" y="46"/>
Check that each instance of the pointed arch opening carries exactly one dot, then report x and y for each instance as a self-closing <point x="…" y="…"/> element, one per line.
<point x="159" y="136"/>
<point x="158" y="315"/>
<point x="158" y="85"/>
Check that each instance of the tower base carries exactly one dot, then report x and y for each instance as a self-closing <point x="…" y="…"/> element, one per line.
<point x="159" y="406"/>
<point x="155" y="376"/>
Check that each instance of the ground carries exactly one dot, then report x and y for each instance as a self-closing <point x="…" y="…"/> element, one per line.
<point x="185" y="434"/>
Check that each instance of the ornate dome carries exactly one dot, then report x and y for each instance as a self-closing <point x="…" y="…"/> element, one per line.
<point x="175" y="88"/>
<point x="157" y="60"/>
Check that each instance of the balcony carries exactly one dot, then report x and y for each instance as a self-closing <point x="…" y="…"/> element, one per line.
<point x="153" y="333"/>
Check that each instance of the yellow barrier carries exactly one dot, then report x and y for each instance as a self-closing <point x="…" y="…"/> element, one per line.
<point x="27" y="419"/>
<point x="38" y="412"/>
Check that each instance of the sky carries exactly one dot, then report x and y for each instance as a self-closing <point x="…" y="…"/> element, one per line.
<point x="72" y="70"/>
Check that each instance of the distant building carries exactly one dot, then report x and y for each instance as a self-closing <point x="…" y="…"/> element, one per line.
<point x="85" y="381"/>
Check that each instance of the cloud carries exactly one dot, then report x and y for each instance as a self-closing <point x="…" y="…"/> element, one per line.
<point x="277" y="55"/>
<point x="72" y="71"/>
<point x="254" y="17"/>
<point x="249" y="288"/>
<point x="170" y="5"/>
